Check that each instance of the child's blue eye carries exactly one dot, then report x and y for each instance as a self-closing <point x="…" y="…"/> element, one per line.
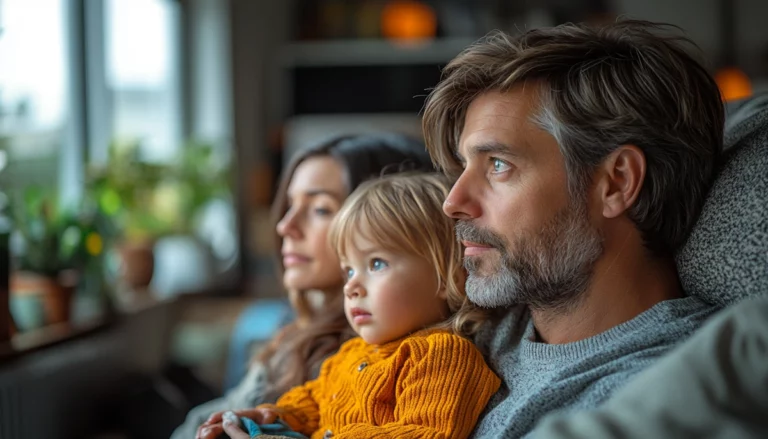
<point x="350" y="273"/>
<point x="378" y="264"/>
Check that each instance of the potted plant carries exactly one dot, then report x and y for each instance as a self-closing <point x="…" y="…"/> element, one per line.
<point x="198" y="177"/>
<point x="53" y="248"/>
<point x="124" y="190"/>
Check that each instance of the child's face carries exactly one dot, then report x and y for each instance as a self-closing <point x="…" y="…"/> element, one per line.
<point x="389" y="294"/>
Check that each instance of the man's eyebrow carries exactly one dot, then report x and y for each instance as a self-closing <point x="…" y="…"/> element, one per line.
<point x="486" y="148"/>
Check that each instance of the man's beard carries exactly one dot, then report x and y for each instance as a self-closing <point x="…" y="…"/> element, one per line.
<point x="549" y="270"/>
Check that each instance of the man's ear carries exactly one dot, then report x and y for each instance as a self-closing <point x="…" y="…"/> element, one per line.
<point x="620" y="179"/>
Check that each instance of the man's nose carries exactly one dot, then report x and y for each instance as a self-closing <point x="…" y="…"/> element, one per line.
<point x="462" y="202"/>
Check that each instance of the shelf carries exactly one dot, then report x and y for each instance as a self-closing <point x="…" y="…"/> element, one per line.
<point x="371" y="52"/>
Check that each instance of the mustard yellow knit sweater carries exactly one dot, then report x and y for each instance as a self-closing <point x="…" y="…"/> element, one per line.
<point x="432" y="384"/>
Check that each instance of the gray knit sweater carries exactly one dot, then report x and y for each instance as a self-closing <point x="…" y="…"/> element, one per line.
<point x="539" y="378"/>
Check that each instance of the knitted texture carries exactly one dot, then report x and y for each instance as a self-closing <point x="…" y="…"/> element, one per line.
<point x="432" y="384"/>
<point x="539" y="378"/>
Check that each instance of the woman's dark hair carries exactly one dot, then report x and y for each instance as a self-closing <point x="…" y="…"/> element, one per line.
<point x="296" y="352"/>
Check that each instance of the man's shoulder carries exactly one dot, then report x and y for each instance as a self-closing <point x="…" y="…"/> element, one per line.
<point x="671" y="319"/>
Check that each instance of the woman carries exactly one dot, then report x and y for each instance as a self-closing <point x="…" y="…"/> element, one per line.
<point x="312" y="190"/>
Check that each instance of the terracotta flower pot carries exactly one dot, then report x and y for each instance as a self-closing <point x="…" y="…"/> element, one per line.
<point x="138" y="263"/>
<point x="55" y="294"/>
<point x="6" y="321"/>
<point x="7" y="327"/>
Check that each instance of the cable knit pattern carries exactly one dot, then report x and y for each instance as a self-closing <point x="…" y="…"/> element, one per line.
<point x="432" y="384"/>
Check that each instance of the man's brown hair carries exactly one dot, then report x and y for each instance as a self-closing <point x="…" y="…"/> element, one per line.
<point x="630" y="82"/>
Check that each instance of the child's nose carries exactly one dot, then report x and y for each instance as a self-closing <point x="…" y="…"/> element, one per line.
<point x="353" y="289"/>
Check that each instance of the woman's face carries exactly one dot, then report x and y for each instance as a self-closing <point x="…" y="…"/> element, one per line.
<point x="315" y="194"/>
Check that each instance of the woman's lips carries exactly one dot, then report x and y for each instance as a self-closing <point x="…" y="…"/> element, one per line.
<point x="293" y="259"/>
<point x="360" y="316"/>
<point x="474" y="249"/>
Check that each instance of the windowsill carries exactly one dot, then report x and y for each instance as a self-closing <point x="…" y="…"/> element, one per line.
<point x="127" y="305"/>
<point x="50" y="335"/>
<point x="34" y="340"/>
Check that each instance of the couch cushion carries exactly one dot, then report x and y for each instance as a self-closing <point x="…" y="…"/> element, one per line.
<point x="726" y="256"/>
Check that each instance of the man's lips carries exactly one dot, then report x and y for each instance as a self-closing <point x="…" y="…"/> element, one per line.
<point x="474" y="248"/>
<point x="292" y="259"/>
<point x="360" y="316"/>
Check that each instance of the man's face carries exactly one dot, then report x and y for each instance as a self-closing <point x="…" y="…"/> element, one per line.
<point x="526" y="240"/>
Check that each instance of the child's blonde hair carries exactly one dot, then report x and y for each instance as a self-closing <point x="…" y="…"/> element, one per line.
<point x="403" y="212"/>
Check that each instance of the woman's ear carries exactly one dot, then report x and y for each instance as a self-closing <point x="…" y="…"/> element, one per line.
<point x="620" y="180"/>
<point x="442" y="292"/>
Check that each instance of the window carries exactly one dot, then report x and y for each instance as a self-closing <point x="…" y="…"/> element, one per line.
<point x="141" y="74"/>
<point x="33" y="89"/>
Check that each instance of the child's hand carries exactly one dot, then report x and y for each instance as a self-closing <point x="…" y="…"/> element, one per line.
<point x="234" y="430"/>
<point x="212" y="428"/>
<point x="265" y="415"/>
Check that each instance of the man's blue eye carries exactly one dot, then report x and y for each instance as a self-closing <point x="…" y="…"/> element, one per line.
<point x="500" y="165"/>
<point x="378" y="264"/>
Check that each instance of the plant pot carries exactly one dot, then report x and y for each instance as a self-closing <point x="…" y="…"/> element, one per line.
<point x="7" y="327"/>
<point x="137" y="263"/>
<point x="6" y="322"/>
<point x="53" y="297"/>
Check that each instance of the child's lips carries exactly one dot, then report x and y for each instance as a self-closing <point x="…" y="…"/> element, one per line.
<point x="360" y="316"/>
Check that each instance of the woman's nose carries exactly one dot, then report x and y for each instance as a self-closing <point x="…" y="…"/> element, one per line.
<point x="289" y="225"/>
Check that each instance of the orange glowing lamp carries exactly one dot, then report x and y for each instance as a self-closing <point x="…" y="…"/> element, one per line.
<point x="408" y="20"/>
<point x="733" y="83"/>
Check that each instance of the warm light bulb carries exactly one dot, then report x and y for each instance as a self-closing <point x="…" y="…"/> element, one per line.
<point x="408" y="20"/>
<point x="733" y="83"/>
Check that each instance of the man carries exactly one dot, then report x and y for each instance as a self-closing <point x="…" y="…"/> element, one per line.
<point x="582" y="157"/>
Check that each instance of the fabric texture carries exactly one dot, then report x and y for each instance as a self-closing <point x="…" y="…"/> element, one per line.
<point x="250" y="392"/>
<point x="715" y="386"/>
<point x="725" y="259"/>
<point x="432" y="384"/>
<point x="278" y="429"/>
<point x="539" y="378"/>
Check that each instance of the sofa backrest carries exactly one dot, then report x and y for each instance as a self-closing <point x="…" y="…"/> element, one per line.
<point x="726" y="256"/>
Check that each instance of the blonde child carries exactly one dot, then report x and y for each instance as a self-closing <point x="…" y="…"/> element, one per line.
<point x="411" y="373"/>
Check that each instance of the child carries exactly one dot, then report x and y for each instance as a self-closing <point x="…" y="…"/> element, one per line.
<point x="411" y="373"/>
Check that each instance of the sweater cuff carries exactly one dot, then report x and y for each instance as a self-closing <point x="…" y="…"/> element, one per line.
<point x="295" y="422"/>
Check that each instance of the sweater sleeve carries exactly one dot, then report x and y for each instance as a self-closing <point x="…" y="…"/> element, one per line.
<point x="300" y="407"/>
<point x="443" y="387"/>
